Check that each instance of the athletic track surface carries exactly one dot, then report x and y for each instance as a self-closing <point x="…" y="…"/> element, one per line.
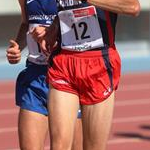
<point x="131" y="121"/>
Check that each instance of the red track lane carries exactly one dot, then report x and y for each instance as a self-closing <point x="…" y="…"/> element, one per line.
<point x="131" y="122"/>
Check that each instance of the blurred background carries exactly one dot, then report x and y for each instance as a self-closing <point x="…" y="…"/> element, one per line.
<point x="133" y="37"/>
<point x="131" y="124"/>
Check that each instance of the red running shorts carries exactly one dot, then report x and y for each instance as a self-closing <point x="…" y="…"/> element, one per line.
<point x="92" y="75"/>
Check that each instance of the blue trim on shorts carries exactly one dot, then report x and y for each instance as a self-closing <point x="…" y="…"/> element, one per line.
<point x="33" y="109"/>
<point x="79" y="114"/>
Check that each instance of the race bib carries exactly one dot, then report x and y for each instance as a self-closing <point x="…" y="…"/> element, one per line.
<point x="80" y="29"/>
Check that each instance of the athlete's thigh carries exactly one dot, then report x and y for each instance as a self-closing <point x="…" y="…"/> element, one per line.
<point x="78" y="136"/>
<point x="63" y="109"/>
<point x="97" y="121"/>
<point x="33" y="128"/>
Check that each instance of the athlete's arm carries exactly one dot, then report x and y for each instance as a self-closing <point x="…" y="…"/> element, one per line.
<point x="21" y="36"/>
<point x="129" y="7"/>
<point x="49" y="40"/>
<point x="13" y="52"/>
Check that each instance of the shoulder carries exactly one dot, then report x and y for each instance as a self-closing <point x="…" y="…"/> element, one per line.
<point x="22" y="2"/>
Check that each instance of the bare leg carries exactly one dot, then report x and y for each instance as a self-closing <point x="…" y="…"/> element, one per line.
<point x="62" y="119"/>
<point x="33" y="128"/>
<point x="78" y="138"/>
<point x="97" y="121"/>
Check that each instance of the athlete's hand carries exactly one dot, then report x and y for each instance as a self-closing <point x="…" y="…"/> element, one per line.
<point x="38" y="33"/>
<point x="13" y="53"/>
<point x="49" y="41"/>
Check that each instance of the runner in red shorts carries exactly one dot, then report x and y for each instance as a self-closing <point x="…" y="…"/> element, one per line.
<point x="85" y="70"/>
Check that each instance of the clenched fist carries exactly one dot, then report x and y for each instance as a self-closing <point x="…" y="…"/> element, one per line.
<point x="13" y="53"/>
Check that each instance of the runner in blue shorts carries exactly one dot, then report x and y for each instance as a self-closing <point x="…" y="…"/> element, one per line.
<point x="31" y="86"/>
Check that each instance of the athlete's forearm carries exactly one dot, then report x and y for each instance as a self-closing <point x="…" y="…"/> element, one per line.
<point x="129" y="7"/>
<point x="21" y="36"/>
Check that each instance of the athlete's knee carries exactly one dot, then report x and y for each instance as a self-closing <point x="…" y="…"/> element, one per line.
<point x="61" y="143"/>
<point x="93" y="144"/>
<point x="60" y="146"/>
<point x="28" y="146"/>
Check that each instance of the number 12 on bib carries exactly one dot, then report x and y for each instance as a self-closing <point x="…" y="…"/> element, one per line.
<point x="80" y="29"/>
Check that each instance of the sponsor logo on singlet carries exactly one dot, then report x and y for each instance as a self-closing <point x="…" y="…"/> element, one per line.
<point x="29" y="1"/>
<point x="41" y="17"/>
<point x="64" y="3"/>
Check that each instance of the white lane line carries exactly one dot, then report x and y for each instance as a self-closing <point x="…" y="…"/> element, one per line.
<point x="45" y="148"/>
<point x="9" y="129"/>
<point x="116" y="120"/>
<point x="124" y="140"/>
<point x="132" y="102"/>
<point x="110" y="142"/>
<point x="8" y="111"/>
<point x="134" y="87"/>
<point x="131" y="119"/>
<point x="13" y="149"/>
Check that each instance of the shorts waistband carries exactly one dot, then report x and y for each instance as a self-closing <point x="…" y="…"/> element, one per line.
<point x="28" y="64"/>
<point x="92" y="53"/>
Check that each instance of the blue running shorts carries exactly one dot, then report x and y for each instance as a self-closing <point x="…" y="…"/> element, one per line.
<point x="32" y="89"/>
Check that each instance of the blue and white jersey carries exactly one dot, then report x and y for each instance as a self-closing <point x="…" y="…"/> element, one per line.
<point x="38" y="12"/>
